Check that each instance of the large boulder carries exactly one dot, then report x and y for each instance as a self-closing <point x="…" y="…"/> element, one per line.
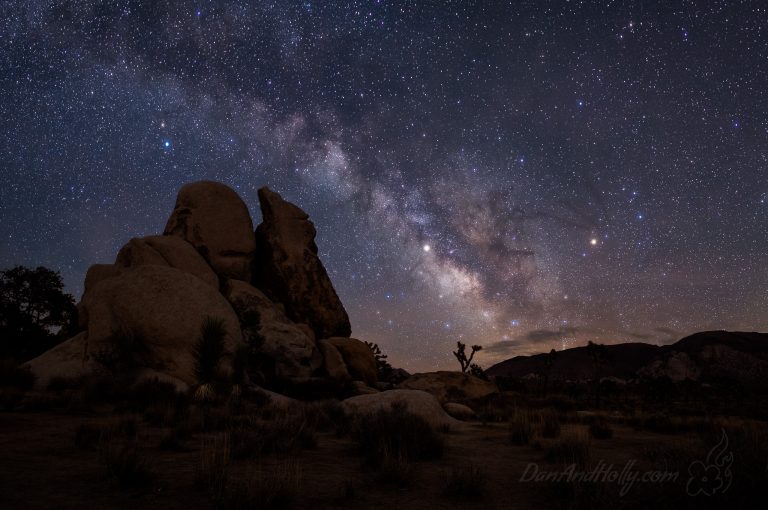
<point x="420" y="403"/>
<point x="358" y="358"/>
<point x="69" y="359"/>
<point x="333" y="362"/>
<point x="169" y="251"/>
<point x="289" y="271"/>
<point x="450" y="386"/>
<point x="156" y="313"/>
<point x="459" y="411"/>
<point x="288" y="350"/>
<point x="213" y="218"/>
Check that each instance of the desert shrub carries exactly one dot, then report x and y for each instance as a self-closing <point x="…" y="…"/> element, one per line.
<point x="14" y="376"/>
<point x="569" y="449"/>
<point x="154" y="392"/>
<point x="395" y="470"/>
<point x="275" y="487"/>
<point x="11" y="398"/>
<point x="173" y="438"/>
<point x="123" y="461"/>
<point x="548" y="423"/>
<point x="127" y="426"/>
<point x="212" y="467"/>
<point x="520" y="427"/>
<point x="465" y="483"/>
<point x="285" y="433"/>
<point x="122" y="355"/>
<point x="209" y="350"/>
<point x="87" y="437"/>
<point x="600" y="429"/>
<point x="396" y="432"/>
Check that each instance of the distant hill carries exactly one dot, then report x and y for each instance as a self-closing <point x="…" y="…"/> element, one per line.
<point x="710" y="355"/>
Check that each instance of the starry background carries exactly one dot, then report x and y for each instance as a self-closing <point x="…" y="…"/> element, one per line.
<point x="522" y="175"/>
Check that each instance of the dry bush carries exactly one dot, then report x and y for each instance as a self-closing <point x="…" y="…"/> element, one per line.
<point x="14" y="376"/>
<point x="520" y="427"/>
<point x="212" y="468"/>
<point x="398" y="433"/>
<point x="600" y="428"/>
<point x="288" y="432"/>
<point x="275" y="487"/>
<point x="395" y="470"/>
<point x="548" y="423"/>
<point x="87" y="437"/>
<point x="123" y="461"/>
<point x="573" y="448"/>
<point x="465" y="483"/>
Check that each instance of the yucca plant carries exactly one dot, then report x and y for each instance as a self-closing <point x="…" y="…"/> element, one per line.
<point x="208" y="351"/>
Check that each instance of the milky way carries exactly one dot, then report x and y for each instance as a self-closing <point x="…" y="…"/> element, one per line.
<point x="522" y="176"/>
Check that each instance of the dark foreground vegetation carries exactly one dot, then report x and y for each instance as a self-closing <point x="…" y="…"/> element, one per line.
<point x="111" y="443"/>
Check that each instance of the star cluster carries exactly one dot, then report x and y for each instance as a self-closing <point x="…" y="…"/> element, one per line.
<point x="521" y="175"/>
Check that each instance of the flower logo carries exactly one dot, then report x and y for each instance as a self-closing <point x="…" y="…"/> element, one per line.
<point x="714" y="474"/>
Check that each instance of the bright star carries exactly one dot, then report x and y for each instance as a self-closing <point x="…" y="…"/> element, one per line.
<point x="593" y="241"/>
<point x="427" y="247"/>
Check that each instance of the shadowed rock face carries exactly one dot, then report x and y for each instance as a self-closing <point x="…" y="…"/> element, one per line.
<point x="213" y="218"/>
<point x="292" y="351"/>
<point x="289" y="271"/>
<point x="150" y="313"/>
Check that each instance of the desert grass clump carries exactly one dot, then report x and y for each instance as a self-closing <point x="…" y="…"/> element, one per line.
<point x="123" y="461"/>
<point x="548" y="423"/>
<point x="465" y="483"/>
<point x="287" y="432"/>
<point x="14" y="376"/>
<point x="396" y="432"/>
<point x="600" y="429"/>
<point x="520" y="427"/>
<point x="87" y="436"/>
<point x="395" y="470"/>
<point x="207" y="353"/>
<point x="573" y="448"/>
<point x="275" y="487"/>
<point x="212" y="470"/>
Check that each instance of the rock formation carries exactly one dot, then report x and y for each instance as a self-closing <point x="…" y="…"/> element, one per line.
<point x="415" y="401"/>
<point x="450" y="386"/>
<point x="358" y="358"/>
<point x="289" y="352"/>
<point x="289" y="271"/>
<point x="147" y="309"/>
<point x="166" y="251"/>
<point x="213" y="219"/>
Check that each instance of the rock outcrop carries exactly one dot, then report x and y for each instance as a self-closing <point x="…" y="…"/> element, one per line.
<point x="157" y="313"/>
<point x="69" y="359"/>
<point x="289" y="271"/>
<point x="459" y="411"/>
<point x="358" y="358"/>
<point x="168" y="251"/>
<point x="420" y="403"/>
<point x="287" y="350"/>
<point x="144" y="313"/>
<point x="333" y="362"/>
<point x="213" y="219"/>
<point x="450" y="386"/>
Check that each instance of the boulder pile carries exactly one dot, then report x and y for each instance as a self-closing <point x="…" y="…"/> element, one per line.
<point x="267" y="288"/>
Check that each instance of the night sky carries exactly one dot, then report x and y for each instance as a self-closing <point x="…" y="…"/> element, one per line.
<point x="521" y="175"/>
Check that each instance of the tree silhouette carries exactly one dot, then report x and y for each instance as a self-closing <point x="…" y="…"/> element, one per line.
<point x="461" y="355"/>
<point x="35" y="312"/>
